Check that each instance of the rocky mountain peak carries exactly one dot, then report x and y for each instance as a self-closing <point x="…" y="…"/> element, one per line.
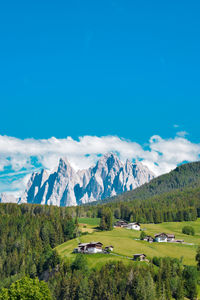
<point x="66" y="187"/>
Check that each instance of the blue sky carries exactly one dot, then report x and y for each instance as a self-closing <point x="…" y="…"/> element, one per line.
<point x="119" y="68"/>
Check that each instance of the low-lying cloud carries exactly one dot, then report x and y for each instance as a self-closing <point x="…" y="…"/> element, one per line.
<point x="19" y="158"/>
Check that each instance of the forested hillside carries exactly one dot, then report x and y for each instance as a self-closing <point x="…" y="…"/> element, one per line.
<point x="177" y="205"/>
<point x="28" y="234"/>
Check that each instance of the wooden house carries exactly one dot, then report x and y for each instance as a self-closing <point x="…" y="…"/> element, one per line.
<point x="140" y="257"/>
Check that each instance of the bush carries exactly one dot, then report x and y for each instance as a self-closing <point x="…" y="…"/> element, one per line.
<point x="189" y="230"/>
<point x="26" y="288"/>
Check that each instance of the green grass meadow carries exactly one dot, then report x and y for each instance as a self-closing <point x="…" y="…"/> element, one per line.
<point x="126" y="242"/>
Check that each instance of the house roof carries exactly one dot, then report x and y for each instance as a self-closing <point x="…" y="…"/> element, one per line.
<point x="161" y="234"/>
<point x="139" y="254"/>
<point x="170" y="235"/>
<point x="165" y="234"/>
<point x="121" y="221"/>
<point x="134" y="223"/>
<point x="87" y="244"/>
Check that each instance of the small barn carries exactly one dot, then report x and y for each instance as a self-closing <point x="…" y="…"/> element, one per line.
<point x="148" y="238"/>
<point x="109" y="248"/>
<point x="140" y="257"/>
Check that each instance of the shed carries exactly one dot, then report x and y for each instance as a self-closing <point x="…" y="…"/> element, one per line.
<point x="148" y="238"/>
<point x="140" y="257"/>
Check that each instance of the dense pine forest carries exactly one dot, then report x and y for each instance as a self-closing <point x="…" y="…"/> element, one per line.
<point x="178" y="205"/>
<point x="28" y="234"/>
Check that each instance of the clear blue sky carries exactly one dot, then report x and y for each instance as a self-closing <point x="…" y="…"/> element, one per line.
<point x="126" y="68"/>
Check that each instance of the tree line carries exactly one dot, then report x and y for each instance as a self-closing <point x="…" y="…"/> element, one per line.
<point x="162" y="279"/>
<point x="176" y="206"/>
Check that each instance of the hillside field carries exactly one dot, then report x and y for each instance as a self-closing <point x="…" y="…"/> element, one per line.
<point x="126" y="242"/>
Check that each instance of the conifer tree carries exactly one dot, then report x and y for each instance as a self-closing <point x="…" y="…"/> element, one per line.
<point x="198" y="258"/>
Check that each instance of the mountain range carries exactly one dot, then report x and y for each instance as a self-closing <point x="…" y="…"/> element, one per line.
<point x="66" y="187"/>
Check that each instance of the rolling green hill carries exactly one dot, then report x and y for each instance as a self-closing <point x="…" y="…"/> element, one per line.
<point x="126" y="243"/>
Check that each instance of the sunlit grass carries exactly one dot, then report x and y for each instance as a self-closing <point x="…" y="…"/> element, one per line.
<point x="125" y="242"/>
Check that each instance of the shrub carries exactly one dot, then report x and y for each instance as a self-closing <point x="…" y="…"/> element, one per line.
<point x="189" y="230"/>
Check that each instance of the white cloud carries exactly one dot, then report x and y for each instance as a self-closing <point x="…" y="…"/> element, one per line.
<point x="182" y="133"/>
<point x="26" y="155"/>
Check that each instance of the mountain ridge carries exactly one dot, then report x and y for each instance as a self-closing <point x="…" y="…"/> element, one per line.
<point x="67" y="187"/>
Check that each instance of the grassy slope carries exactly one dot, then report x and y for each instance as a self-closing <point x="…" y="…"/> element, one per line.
<point x="124" y="242"/>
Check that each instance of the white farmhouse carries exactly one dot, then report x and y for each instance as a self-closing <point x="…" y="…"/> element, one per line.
<point x="134" y="226"/>
<point x="92" y="247"/>
<point x="163" y="237"/>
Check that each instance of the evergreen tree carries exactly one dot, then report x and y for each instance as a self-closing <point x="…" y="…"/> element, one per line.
<point x="106" y="222"/>
<point x="150" y="287"/>
<point x="198" y="258"/>
<point x="190" y="282"/>
<point x="103" y="225"/>
<point x="84" y="290"/>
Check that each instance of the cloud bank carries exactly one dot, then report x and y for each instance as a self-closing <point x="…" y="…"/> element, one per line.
<point x="19" y="158"/>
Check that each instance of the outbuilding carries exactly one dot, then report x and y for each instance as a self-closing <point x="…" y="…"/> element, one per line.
<point x="140" y="257"/>
<point x="148" y="238"/>
<point x="109" y="248"/>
